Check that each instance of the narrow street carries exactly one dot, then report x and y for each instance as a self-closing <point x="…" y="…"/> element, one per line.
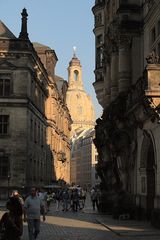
<point x="87" y="225"/>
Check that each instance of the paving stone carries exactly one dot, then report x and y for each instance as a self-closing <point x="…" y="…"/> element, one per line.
<point x="89" y="224"/>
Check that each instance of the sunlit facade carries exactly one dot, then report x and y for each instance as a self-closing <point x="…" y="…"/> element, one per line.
<point x="34" y="120"/>
<point x="83" y="151"/>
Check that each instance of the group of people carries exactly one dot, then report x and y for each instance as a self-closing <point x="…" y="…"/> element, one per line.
<point x="37" y="203"/>
<point x="70" y="199"/>
<point x="11" y="223"/>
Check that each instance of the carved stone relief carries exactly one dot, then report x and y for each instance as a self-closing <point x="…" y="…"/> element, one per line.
<point x="153" y="58"/>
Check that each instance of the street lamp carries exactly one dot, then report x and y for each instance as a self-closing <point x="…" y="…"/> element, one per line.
<point x="8" y="178"/>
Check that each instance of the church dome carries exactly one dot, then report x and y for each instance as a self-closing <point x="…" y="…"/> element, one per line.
<point x="78" y="101"/>
<point x="81" y="108"/>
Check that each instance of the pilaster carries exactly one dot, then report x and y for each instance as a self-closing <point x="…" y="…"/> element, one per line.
<point x="124" y="81"/>
<point x="114" y="72"/>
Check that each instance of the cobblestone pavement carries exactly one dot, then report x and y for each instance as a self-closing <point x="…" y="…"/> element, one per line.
<point x="69" y="225"/>
<point x="88" y="224"/>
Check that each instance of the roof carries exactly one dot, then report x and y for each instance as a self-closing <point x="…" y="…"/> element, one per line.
<point x="84" y="133"/>
<point x="74" y="61"/>
<point x="5" y="32"/>
<point x="60" y="83"/>
<point x="41" y="48"/>
<point x="39" y="45"/>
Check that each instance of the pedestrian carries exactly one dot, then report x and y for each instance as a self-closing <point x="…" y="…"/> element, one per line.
<point x="33" y="208"/>
<point x="75" y="199"/>
<point x="17" y="195"/>
<point x="48" y="200"/>
<point x="11" y="225"/>
<point x="58" y="199"/>
<point x="65" y="197"/>
<point x="94" y="198"/>
<point x="84" y="193"/>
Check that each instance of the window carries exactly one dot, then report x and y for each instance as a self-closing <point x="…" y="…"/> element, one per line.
<point x="31" y="129"/>
<point x="98" y="19"/>
<point x="5" y="87"/>
<point x="35" y="132"/>
<point x="158" y="49"/>
<point x="143" y="185"/>
<point x="153" y="35"/>
<point x="4" y="124"/>
<point x="4" y="167"/>
<point x="99" y="57"/>
<point x="99" y="39"/>
<point x="76" y="75"/>
<point x="158" y="28"/>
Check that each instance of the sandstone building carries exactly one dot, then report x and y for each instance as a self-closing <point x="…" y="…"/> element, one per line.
<point x="34" y="120"/>
<point x="127" y="74"/>
<point x="83" y="152"/>
<point x="84" y="159"/>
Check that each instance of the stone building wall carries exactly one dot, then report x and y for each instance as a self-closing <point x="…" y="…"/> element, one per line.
<point x="34" y="120"/>
<point x="127" y="135"/>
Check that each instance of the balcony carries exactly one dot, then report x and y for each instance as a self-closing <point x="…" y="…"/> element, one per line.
<point x="146" y="91"/>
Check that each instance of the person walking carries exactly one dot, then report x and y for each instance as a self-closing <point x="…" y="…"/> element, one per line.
<point x="48" y="200"/>
<point x="58" y="198"/>
<point x="65" y="197"/>
<point x="84" y="193"/>
<point x="11" y="225"/>
<point x="33" y="208"/>
<point x="75" y="199"/>
<point x="17" y="195"/>
<point x="94" y="198"/>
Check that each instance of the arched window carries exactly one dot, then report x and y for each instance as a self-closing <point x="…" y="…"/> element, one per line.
<point x="76" y="73"/>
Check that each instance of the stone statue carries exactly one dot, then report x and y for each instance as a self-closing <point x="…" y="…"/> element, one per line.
<point x="152" y="58"/>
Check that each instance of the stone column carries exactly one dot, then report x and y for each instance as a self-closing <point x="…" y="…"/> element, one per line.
<point x="124" y="63"/>
<point x="114" y="73"/>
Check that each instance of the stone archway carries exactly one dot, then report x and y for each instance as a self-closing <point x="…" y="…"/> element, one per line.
<point x="148" y="163"/>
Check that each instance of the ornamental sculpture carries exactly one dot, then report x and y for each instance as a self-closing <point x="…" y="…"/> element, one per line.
<point x="153" y="58"/>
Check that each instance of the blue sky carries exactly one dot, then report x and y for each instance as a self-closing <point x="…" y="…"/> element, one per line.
<point x="60" y="24"/>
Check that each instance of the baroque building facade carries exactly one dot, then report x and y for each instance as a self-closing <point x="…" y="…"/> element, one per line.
<point x="127" y="73"/>
<point x="34" y="120"/>
<point x="83" y="152"/>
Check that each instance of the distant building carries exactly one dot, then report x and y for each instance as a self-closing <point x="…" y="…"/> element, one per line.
<point x="81" y="108"/>
<point x="34" y="120"/>
<point x="84" y="159"/>
<point x="78" y="101"/>
<point x="127" y="74"/>
<point x="58" y="117"/>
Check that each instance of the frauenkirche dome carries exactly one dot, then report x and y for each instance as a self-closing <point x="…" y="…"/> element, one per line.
<point x="78" y="101"/>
